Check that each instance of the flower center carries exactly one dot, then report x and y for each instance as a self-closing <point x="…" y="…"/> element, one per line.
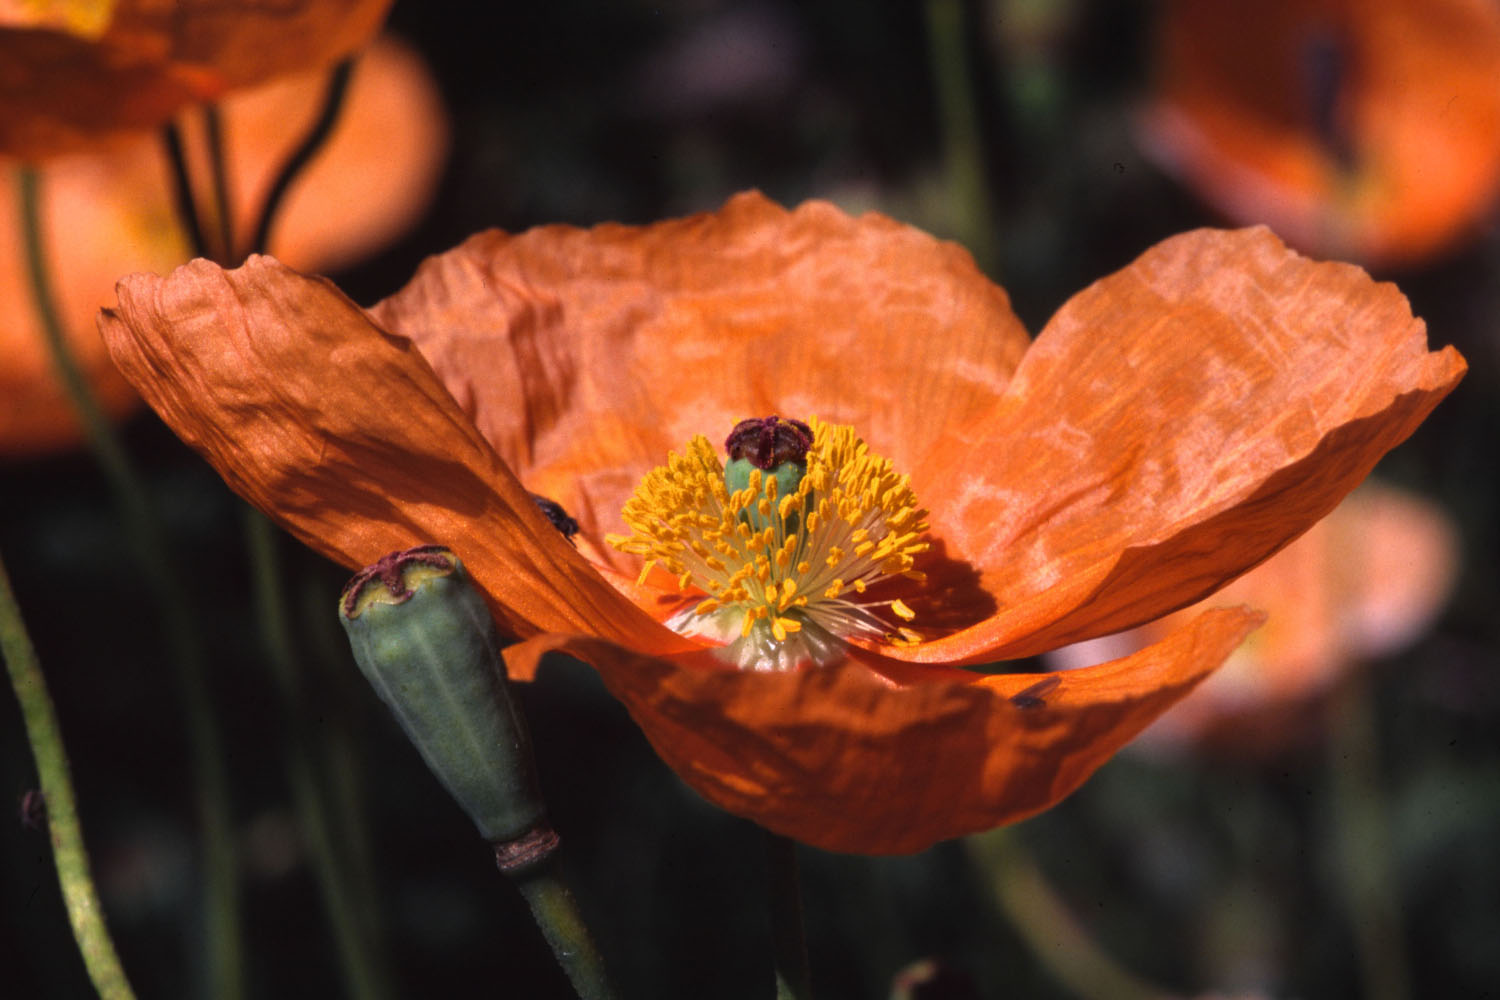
<point x="787" y="549"/>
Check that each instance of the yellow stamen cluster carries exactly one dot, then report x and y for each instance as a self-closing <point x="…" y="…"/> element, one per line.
<point x="780" y="570"/>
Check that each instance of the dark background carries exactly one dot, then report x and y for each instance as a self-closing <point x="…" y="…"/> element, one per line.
<point x="1201" y="872"/>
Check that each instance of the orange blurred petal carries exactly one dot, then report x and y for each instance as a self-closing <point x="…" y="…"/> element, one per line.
<point x="109" y="213"/>
<point x="69" y="79"/>
<point x="1363" y="582"/>
<point x="1174" y="425"/>
<point x="100" y="219"/>
<point x="345" y="436"/>
<point x="374" y="175"/>
<point x="1406" y="158"/>
<point x="847" y="759"/>
<point x="585" y="355"/>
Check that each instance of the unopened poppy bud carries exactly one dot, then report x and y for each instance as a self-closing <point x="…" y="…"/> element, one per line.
<point x="424" y="638"/>
<point x="777" y="446"/>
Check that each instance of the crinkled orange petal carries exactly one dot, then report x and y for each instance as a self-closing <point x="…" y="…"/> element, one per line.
<point x="342" y="433"/>
<point x="586" y="355"/>
<point x="1174" y="425"/>
<point x="68" y="81"/>
<point x="848" y="759"/>
<point x="1406" y="156"/>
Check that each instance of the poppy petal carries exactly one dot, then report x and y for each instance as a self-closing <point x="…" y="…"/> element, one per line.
<point x="848" y="758"/>
<point x="71" y="75"/>
<point x="586" y="355"/>
<point x="1174" y="425"/>
<point x="343" y="434"/>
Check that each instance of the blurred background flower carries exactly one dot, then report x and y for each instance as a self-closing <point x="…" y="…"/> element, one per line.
<point x="109" y="212"/>
<point x="1360" y="129"/>
<point x="73" y="72"/>
<point x="1363" y="583"/>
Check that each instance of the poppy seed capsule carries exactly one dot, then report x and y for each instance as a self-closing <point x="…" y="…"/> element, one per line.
<point x="424" y="639"/>
<point x="775" y="445"/>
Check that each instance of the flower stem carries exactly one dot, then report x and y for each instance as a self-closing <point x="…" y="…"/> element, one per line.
<point x="84" y="910"/>
<point x="970" y="214"/>
<point x="1042" y="920"/>
<point x="213" y="127"/>
<point x="788" y="939"/>
<point x="182" y="190"/>
<point x="221" y="887"/>
<point x="1361" y="827"/>
<point x="556" y="914"/>
<point x="354" y="938"/>
<point x="333" y="103"/>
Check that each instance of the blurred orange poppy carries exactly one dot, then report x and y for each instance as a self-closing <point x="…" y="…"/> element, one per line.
<point x="1363" y="582"/>
<point x="110" y="213"/>
<point x="74" y="72"/>
<point x="1171" y="427"/>
<point x="1367" y="129"/>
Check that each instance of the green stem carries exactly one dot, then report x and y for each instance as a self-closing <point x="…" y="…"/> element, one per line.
<point x="788" y="939"/>
<point x="84" y="910"/>
<point x="1042" y="920"/>
<point x="969" y="208"/>
<point x="1361" y="826"/>
<point x="557" y="916"/>
<point x="363" y="972"/>
<point x="221" y="886"/>
<point x="333" y="103"/>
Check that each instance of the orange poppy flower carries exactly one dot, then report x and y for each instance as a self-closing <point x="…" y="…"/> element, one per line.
<point x="1172" y="426"/>
<point x="1363" y="582"/>
<point x="75" y="71"/>
<point x="110" y="213"/>
<point x="1367" y="129"/>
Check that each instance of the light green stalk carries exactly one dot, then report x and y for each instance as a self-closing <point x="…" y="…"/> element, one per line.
<point x="42" y="732"/>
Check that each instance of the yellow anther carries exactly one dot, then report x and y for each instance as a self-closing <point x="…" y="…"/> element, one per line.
<point x="760" y="553"/>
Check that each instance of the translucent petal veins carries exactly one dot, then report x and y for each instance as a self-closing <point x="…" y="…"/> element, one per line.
<point x="785" y="575"/>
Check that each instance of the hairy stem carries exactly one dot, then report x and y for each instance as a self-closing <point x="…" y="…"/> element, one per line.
<point x="42" y="732"/>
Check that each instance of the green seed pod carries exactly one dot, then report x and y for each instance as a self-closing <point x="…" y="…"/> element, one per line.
<point x="787" y="475"/>
<point x="425" y="639"/>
